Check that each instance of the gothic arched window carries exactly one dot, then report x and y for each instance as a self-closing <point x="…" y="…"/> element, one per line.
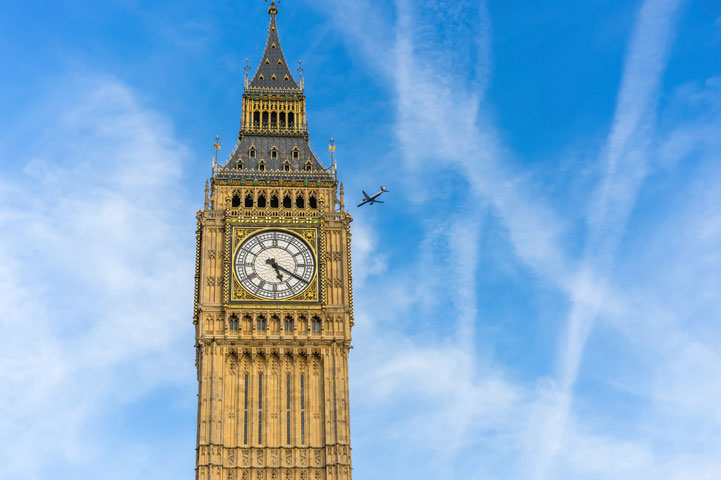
<point x="274" y="201"/>
<point x="315" y="324"/>
<point x="288" y="324"/>
<point x="299" y="202"/>
<point x="233" y="322"/>
<point x="312" y="202"/>
<point x="249" y="200"/>
<point x="287" y="202"/>
<point x="236" y="201"/>
<point x="261" y="324"/>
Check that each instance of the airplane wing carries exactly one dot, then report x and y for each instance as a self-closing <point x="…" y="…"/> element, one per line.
<point x="377" y="201"/>
<point x="365" y="195"/>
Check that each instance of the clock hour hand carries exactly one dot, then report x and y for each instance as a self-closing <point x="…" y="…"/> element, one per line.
<point x="271" y="262"/>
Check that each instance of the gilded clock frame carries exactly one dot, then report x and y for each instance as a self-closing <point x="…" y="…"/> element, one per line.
<point x="310" y="232"/>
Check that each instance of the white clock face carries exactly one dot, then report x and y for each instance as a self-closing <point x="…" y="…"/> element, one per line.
<point x="274" y="265"/>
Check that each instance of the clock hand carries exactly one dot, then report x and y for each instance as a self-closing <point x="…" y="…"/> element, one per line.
<point x="276" y="266"/>
<point x="292" y="274"/>
<point x="271" y="262"/>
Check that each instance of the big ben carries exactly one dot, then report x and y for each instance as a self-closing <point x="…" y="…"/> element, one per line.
<point x="273" y="299"/>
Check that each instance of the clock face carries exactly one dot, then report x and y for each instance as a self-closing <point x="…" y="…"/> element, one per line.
<point x="274" y="265"/>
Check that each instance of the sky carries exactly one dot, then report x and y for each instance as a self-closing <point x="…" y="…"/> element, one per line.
<point x="539" y="297"/>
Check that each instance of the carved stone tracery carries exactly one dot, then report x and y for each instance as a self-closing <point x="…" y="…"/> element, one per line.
<point x="230" y="360"/>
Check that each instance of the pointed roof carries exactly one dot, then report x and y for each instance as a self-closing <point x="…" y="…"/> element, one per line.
<point x="273" y="72"/>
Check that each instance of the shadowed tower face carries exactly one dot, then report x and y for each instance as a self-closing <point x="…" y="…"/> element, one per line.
<point x="273" y="301"/>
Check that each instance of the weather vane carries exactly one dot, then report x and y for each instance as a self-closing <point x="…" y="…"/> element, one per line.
<point x="216" y="146"/>
<point x="331" y="149"/>
<point x="300" y="72"/>
<point x="247" y="69"/>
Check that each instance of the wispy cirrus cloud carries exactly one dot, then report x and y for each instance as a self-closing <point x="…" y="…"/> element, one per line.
<point x="625" y="161"/>
<point x="95" y="224"/>
<point x="435" y="129"/>
<point x="464" y="392"/>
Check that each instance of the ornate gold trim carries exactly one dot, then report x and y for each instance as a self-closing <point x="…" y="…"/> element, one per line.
<point x="311" y="233"/>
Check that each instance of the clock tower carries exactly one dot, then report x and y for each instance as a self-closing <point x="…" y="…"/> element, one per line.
<point x="273" y="301"/>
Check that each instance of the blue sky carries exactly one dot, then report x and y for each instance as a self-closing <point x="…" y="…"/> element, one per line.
<point x="538" y="299"/>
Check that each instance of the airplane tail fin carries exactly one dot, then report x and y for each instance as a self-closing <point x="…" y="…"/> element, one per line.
<point x="383" y="189"/>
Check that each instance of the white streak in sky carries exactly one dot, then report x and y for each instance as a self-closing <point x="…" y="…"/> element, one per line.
<point x="95" y="226"/>
<point x="625" y="161"/>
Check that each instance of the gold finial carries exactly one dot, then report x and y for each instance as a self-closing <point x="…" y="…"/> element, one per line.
<point x="300" y="72"/>
<point x="272" y="10"/>
<point x="216" y="146"/>
<point x="247" y="69"/>
<point x="331" y="149"/>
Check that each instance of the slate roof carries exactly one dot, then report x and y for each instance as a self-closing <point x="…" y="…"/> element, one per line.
<point x="264" y="144"/>
<point x="286" y="143"/>
<point x="273" y="68"/>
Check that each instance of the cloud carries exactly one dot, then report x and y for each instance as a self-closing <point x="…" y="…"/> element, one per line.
<point x="95" y="247"/>
<point x="624" y="159"/>
<point x="437" y="133"/>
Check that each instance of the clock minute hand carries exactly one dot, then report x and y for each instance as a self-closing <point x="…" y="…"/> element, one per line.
<point x="292" y="274"/>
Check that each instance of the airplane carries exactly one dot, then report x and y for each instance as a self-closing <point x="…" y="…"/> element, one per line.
<point x="372" y="199"/>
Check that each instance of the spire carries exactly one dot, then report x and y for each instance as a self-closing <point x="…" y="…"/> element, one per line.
<point x="273" y="72"/>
